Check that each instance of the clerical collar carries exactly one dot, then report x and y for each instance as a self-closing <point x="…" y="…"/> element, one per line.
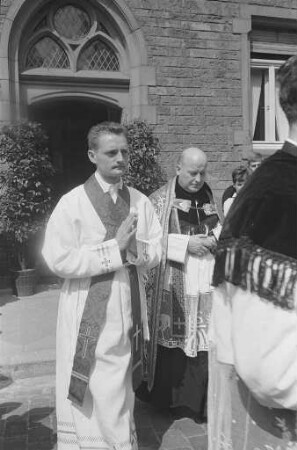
<point x="107" y="186"/>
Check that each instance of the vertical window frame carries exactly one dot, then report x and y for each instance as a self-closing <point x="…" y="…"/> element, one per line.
<point x="271" y="65"/>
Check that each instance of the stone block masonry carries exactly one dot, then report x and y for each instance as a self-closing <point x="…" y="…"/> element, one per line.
<point x="200" y="59"/>
<point x="198" y="93"/>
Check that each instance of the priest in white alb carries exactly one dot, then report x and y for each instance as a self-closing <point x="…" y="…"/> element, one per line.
<point x="102" y="238"/>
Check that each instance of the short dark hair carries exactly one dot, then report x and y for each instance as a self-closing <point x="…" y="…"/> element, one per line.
<point x="239" y="174"/>
<point x="287" y="78"/>
<point x="104" y="128"/>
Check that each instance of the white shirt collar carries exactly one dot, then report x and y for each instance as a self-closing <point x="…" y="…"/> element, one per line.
<point x="106" y="186"/>
<point x="291" y="141"/>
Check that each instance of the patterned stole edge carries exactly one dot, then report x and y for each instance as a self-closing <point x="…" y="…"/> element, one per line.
<point x="270" y="275"/>
<point x="95" y="306"/>
<point x="93" y="318"/>
<point x="168" y="192"/>
<point x="177" y="285"/>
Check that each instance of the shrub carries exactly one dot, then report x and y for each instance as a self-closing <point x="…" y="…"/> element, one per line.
<point x="25" y="178"/>
<point x="145" y="172"/>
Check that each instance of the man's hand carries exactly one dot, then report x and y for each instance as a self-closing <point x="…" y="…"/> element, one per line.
<point x="210" y="242"/>
<point x="132" y="246"/>
<point x="198" y="245"/>
<point x="126" y="231"/>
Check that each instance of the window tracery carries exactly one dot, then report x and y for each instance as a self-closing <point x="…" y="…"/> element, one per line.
<point x="98" y="56"/>
<point x="68" y="36"/>
<point x="47" y="53"/>
<point x="72" y="22"/>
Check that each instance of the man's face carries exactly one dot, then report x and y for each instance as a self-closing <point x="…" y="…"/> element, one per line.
<point x="253" y="165"/>
<point x="111" y="157"/>
<point x="239" y="184"/>
<point x="191" y="175"/>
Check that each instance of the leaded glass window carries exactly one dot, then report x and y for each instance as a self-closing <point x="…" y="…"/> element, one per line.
<point x="47" y="53"/>
<point x="72" y="22"/>
<point x="98" y="56"/>
<point x="69" y="36"/>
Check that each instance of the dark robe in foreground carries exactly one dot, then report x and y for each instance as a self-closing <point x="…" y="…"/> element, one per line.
<point x="252" y="397"/>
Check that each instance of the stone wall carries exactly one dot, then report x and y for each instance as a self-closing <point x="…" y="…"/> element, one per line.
<point x="198" y="93"/>
<point x="5" y="106"/>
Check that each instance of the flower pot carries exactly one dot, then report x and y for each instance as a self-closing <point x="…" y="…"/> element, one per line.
<point x="24" y="282"/>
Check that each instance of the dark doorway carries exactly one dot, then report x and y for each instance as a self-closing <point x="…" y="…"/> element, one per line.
<point x="67" y="122"/>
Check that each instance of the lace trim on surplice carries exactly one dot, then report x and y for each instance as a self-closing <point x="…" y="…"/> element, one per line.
<point x="68" y="436"/>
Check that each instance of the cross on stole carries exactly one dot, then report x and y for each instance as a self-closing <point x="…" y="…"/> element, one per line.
<point x="145" y="252"/>
<point x="179" y="323"/>
<point x="86" y="337"/>
<point x="106" y="262"/>
<point x="136" y="335"/>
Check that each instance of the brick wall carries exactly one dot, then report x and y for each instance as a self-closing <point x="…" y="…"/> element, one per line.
<point x="4" y="5"/>
<point x="198" y="92"/>
<point x="198" y="63"/>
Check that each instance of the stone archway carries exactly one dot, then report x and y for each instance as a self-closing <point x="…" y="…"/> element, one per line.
<point x="67" y="121"/>
<point x="139" y="75"/>
<point x="43" y="93"/>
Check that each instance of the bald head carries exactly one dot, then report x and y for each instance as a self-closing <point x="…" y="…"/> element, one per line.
<point x="192" y="155"/>
<point x="191" y="169"/>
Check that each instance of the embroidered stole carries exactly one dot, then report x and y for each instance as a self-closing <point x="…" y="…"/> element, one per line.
<point x="174" y="298"/>
<point x="94" y="314"/>
<point x="177" y="288"/>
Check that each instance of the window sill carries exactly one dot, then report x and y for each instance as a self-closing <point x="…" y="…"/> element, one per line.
<point x="266" y="148"/>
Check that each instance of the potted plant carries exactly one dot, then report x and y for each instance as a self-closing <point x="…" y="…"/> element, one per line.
<point x="26" y="195"/>
<point x="145" y="172"/>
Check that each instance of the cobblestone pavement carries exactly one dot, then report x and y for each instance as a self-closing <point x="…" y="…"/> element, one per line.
<point x="28" y="422"/>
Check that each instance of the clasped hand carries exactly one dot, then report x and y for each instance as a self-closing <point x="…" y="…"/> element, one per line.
<point x="199" y="244"/>
<point x="125" y="236"/>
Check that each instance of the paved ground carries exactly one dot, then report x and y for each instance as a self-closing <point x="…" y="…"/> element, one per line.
<point x="28" y="327"/>
<point x="27" y="413"/>
<point x="27" y="405"/>
<point x="28" y="421"/>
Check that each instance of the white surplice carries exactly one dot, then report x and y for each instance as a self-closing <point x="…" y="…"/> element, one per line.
<point x="252" y="393"/>
<point x="197" y="284"/>
<point x="74" y="250"/>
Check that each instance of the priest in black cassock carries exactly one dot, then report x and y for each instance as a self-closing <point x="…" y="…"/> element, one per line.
<point x="180" y="290"/>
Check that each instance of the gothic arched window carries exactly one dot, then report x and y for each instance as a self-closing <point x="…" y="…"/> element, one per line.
<point x="47" y="53"/>
<point x="67" y="36"/>
<point x="72" y="22"/>
<point x="98" y="56"/>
